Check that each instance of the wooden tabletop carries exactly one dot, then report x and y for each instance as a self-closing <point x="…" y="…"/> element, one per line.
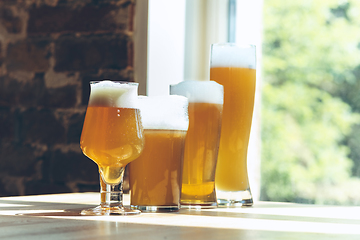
<point x="57" y="217"/>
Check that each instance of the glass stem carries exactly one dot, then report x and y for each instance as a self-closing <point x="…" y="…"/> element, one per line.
<point x="112" y="195"/>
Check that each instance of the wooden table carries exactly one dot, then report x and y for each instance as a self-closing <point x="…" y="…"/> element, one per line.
<point x="43" y="217"/>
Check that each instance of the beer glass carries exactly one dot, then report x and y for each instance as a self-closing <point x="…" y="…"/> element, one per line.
<point x="112" y="136"/>
<point x="202" y="142"/>
<point x="155" y="178"/>
<point x="234" y="66"/>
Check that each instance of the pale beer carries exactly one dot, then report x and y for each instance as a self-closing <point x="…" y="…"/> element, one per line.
<point x="201" y="151"/>
<point x="114" y="142"/>
<point x="162" y="154"/>
<point x="155" y="178"/>
<point x="234" y="68"/>
<point x="202" y="142"/>
<point x="112" y="136"/>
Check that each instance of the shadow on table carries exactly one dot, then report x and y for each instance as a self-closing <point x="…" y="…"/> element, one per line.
<point x="33" y="208"/>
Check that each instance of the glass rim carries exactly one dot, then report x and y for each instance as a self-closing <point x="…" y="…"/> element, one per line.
<point x="114" y="81"/>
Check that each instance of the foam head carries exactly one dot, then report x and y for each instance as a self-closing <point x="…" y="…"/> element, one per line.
<point x="113" y="94"/>
<point x="164" y="112"/>
<point x="233" y="55"/>
<point x="199" y="91"/>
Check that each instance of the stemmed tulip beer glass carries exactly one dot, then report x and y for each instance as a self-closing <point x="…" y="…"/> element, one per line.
<point x="112" y="136"/>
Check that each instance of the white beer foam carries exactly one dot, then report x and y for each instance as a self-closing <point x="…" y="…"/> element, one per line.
<point x="233" y="55"/>
<point x="199" y="91"/>
<point x="113" y="94"/>
<point x="164" y="112"/>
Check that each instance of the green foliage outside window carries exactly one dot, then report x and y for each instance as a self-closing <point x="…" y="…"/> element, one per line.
<point x="311" y="101"/>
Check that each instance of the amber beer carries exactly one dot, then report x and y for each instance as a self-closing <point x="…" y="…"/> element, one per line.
<point x="202" y="142"/>
<point x="233" y="66"/>
<point x="162" y="154"/>
<point x="112" y="136"/>
<point x="114" y="142"/>
<point x="155" y="178"/>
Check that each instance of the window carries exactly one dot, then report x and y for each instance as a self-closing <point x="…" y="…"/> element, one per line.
<point x="307" y="81"/>
<point x="178" y="46"/>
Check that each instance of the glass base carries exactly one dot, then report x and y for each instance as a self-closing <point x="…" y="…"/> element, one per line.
<point x="234" y="199"/>
<point x="106" y="211"/>
<point x="156" y="208"/>
<point x="198" y="206"/>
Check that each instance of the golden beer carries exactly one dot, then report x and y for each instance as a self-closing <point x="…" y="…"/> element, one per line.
<point x="115" y="141"/>
<point x="112" y="136"/>
<point x="201" y="151"/>
<point x="239" y="91"/>
<point x="155" y="177"/>
<point x="202" y="141"/>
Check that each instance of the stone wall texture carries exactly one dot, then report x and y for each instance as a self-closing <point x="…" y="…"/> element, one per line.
<point x="49" y="52"/>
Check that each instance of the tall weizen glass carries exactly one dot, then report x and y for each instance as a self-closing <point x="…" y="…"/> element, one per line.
<point x="202" y="142"/>
<point x="112" y="136"/>
<point x="155" y="178"/>
<point x="234" y="66"/>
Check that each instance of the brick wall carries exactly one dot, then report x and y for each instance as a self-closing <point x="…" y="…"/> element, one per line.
<point x="49" y="51"/>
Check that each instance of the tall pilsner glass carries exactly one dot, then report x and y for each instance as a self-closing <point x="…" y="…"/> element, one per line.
<point x="234" y="66"/>
<point x="112" y="136"/>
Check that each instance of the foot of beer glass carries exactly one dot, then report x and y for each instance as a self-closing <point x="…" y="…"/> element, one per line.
<point x="111" y="200"/>
<point x="198" y="206"/>
<point x="103" y="211"/>
<point x="234" y="199"/>
<point x="155" y="208"/>
<point x="197" y="201"/>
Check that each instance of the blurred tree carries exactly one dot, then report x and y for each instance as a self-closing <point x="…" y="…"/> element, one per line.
<point x="311" y="93"/>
